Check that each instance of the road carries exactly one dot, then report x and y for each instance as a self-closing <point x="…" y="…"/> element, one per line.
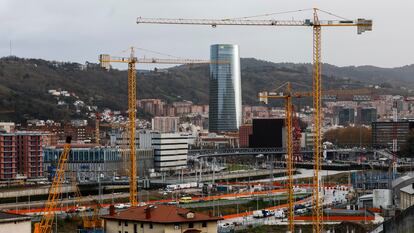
<point x="305" y="173"/>
<point x="65" y="202"/>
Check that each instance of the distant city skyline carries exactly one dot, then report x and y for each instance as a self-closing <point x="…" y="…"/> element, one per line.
<point x="79" y="31"/>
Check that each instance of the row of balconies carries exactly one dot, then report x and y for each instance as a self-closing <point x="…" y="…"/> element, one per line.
<point x="8" y="162"/>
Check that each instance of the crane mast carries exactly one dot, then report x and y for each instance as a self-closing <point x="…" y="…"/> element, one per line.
<point x="289" y="150"/>
<point x="317" y="206"/>
<point x="263" y="97"/>
<point x="46" y="223"/>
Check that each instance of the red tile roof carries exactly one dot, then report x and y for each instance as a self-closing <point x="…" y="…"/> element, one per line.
<point x="159" y="214"/>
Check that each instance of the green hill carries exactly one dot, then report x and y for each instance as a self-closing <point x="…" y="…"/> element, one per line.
<point x="25" y="83"/>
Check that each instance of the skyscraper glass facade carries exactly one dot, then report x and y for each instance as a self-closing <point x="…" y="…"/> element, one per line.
<point x="225" y="88"/>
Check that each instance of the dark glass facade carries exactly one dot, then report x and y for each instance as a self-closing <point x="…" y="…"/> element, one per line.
<point x="225" y="113"/>
<point x="267" y="133"/>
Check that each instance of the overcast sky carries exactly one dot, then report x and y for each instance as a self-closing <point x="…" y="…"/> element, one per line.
<point x="79" y="30"/>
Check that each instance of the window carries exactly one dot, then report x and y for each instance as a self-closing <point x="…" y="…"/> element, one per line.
<point x="126" y="223"/>
<point x="176" y="226"/>
<point x="151" y="226"/>
<point x="204" y="224"/>
<point x="135" y="228"/>
<point x="119" y="232"/>
<point x="142" y="225"/>
<point x="119" y="223"/>
<point x="191" y="225"/>
<point x="126" y="231"/>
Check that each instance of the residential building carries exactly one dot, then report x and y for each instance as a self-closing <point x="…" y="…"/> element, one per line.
<point x="383" y="133"/>
<point x="183" y="107"/>
<point x="159" y="219"/>
<point x="15" y="223"/>
<point x="225" y="113"/>
<point x="244" y="133"/>
<point x="165" y="124"/>
<point x="155" y="107"/>
<point x="8" y="156"/>
<point x="29" y="154"/>
<point x="407" y="196"/>
<point x="170" y="149"/>
<point x="21" y="153"/>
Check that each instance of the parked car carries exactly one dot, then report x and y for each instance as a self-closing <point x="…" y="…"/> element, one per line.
<point x="119" y="206"/>
<point x="81" y="209"/>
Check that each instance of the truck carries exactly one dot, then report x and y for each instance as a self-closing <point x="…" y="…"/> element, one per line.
<point x="279" y="214"/>
<point x="258" y="214"/>
<point x="262" y="213"/>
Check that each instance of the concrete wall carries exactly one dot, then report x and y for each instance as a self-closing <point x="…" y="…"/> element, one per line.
<point x="16" y="227"/>
<point x="32" y="192"/>
<point x="407" y="200"/>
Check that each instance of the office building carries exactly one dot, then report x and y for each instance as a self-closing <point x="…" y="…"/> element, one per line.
<point x="165" y="124"/>
<point x="91" y="161"/>
<point x="88" y="161"/>
<point x="267" y="133"/>
<point x="225" y="109"/>
<point x="159" y="219"/>
<point x="384" y="132"/>
<point x="346" y="116"/>
<point x="366" y="115"/>
<point x="170" y="149"/>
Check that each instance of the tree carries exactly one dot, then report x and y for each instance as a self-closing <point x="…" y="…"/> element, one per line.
<point x="349" y="136"/>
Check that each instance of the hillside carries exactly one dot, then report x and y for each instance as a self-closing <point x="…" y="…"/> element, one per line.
<point x="25" y="83"/>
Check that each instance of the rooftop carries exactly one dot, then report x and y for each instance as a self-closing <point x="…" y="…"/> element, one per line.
<point x="408" y="189"/>
<point x="7" y="217"/>
<point x="160" y="214"/>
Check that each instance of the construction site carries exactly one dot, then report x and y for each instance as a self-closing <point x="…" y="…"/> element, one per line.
<point x="288" y="178"/>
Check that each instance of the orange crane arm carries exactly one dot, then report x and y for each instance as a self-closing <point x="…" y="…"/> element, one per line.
<point x="45" y="225"/>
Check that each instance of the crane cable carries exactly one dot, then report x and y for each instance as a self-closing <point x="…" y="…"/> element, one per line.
<point x="269" y="14"/>
<point x="151" y="51"/>
<point x="287" y="12"/>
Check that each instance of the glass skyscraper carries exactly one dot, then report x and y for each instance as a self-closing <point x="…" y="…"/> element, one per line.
<point x="225" y="113"/>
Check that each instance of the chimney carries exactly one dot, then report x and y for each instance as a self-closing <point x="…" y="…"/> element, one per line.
<point x="147" y="212"/>
<point x="111" y="210"/>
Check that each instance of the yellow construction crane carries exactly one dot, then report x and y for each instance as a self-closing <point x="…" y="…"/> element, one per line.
<point x="362" y="26"/>
<point x="105" y="61"/>
<point x="97" y="133"/>
<point x="263" y="97"/>
<point x="288" y="97"/>
<point x="45" y="225"/>
<point x="92" y="222"/>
